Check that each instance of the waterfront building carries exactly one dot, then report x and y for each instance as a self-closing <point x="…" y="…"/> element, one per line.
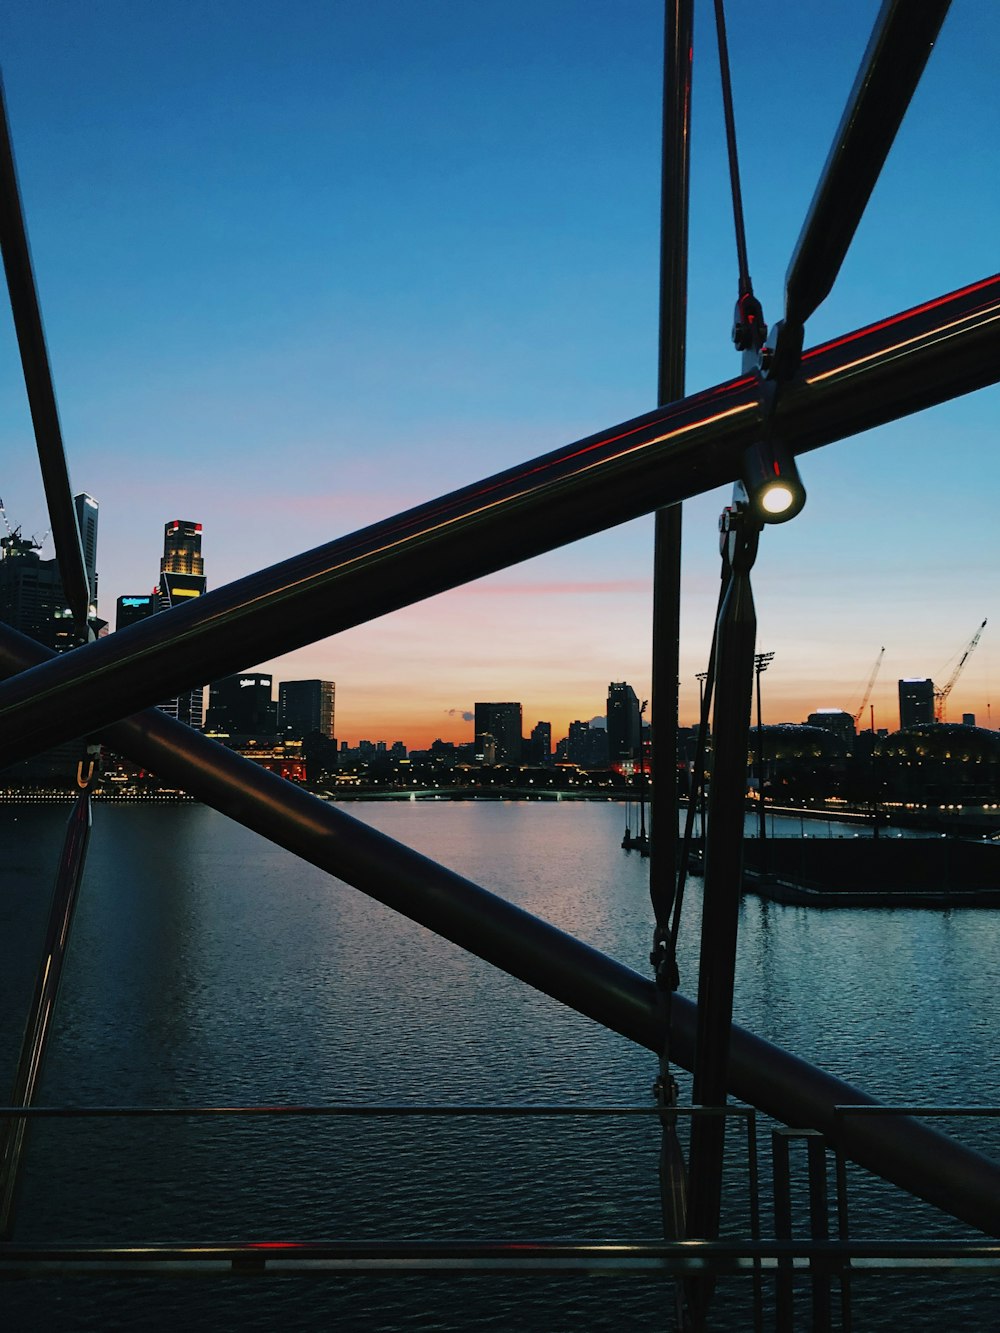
<point x="485" y="749"/>
<point x="502" y="721"/>
<point x="242" y="705"/>
<point x="182" y="576"/>
<point x="541" y="744"/>
<point x="306" y="707"/>
<point x="624" y="725"/>
<point x="585" y="745"/>
<point x="838" y="722"/>
<point x="916" y="702"/>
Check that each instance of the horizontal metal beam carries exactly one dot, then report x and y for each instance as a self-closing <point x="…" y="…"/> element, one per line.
<point x="936" y="351"/>
<point x="900" y="1150"/>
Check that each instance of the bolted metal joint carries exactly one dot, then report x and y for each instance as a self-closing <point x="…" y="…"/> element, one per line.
<point x="739" y="532"/>
<point x="749" y="329"/>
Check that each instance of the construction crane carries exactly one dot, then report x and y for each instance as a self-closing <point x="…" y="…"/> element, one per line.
<point x="14" y="542"/>
<point x="869" y="687"/>
<point x="941" y="695"/>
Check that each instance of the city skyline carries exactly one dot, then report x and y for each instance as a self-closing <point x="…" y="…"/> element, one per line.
<point x="241" y="330"/>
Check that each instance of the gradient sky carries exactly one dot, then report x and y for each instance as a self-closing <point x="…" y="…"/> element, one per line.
<point x="305" y="264"/>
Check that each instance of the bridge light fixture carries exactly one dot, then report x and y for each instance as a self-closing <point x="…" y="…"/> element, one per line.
<point x="772" y="482"/>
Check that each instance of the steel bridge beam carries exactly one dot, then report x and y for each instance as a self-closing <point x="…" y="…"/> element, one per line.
<point x="900" y="1149"/>
<point x="900" y="365"/>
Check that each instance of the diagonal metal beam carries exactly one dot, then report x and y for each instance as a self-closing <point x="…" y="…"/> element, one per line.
<point x="926" y="355"/>
<point x="38" y="381"/>
<point x="899" y="1149"/>
<point x="900" y="44"/>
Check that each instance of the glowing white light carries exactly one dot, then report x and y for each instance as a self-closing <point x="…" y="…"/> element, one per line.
<point x="776" y="499"/>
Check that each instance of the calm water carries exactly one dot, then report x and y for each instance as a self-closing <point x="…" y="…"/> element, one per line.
<point x="207" y="967"/>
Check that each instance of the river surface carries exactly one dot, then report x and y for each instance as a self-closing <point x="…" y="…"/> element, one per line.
<point x="209" y="968"/>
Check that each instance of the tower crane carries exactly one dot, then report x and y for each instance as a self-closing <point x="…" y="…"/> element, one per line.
<point x="941" y="695"/>
<point x="13" y="541"/>
<point x="869" y="687"/>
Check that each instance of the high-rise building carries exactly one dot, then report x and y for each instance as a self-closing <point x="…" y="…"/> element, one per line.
<point x="837" y="721"/>
<point x="586" y="745"/>
<point x="135" y="606"/>
<point x="306" y="707"/>
<point x="624" y="725"/>
<point x="86" y="520"/>
<point x="32" y="598"/>
<point x="503" y="723"/>
<point x="916" y="702"/>
<point x="182" y="576"/>
<point x="182" y="568"/>
<point x="242" y="705"/>
<point x="541" y="744"/>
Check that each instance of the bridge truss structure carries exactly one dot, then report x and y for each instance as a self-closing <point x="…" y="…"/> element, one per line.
<point x="788" y="399"/>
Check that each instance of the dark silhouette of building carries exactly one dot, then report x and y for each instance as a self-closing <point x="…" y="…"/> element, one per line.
<point x="306" y="707"/>
<point x="586" y="745"/>
<point x="503" y="723"/>
<point x="32" y="599"/>
<point x="916" y="702"/>
<point x="541" y="744"/>
<point x="31" y="594"/>
<point x="242" y="706"/>
<point x="838" y="722"/>
<point x="135" y="606"/>
<point x="86" y="520"/>
<point x="624" y="725"/>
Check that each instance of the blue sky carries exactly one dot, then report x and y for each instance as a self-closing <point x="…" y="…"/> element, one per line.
<point x="304" y="265"/>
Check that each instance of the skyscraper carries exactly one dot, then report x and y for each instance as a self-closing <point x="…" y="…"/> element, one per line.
<point x="135" y="606"/>
<point x="182" y="568"/>
<point x="306" y="707"/>
<point x="182" y="576"/>
<point x="503" y="723"/>
<point x="916" y="702"/>
<point x="242" y="705"/>
<point x="31" y="594"/>
<point x="541" y="743"/>
<point x="86" y="519"/>
<point x="624" y="724"/>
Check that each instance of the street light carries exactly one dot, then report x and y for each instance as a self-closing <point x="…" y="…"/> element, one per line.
<point x="761" y="662"/>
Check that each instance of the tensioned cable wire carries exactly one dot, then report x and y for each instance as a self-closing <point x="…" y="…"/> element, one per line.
<point x="746" y="287"/>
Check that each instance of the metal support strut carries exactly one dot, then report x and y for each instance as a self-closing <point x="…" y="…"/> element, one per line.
<point x="736" y="632"/>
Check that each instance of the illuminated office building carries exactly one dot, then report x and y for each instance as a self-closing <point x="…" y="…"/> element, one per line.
<point x="182" y="576"/>
<point x="135" y="606"/>
<point x="624" y="724"/>
<point x="306" y="708"/>
<point x="502" y="722"/>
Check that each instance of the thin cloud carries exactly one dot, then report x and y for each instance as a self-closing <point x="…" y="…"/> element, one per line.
<point x="590" y="588"/>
